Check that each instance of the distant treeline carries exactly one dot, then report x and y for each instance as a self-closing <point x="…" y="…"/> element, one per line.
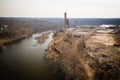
<point x="44" y="24"/>
<point x="16" y="28"/>
<point x="37" y="24"/>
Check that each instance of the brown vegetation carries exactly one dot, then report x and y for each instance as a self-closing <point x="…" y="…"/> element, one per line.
<point x="13" y="33"/>
<point x="12" y="29"/>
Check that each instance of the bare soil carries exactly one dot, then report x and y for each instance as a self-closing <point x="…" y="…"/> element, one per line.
<point x="92" y="56"/>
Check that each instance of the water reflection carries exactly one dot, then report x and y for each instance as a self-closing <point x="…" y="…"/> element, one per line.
<point x="24" y="60"/>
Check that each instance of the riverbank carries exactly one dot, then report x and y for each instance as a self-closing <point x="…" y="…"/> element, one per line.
<point x="22" y="60"/>
<point x="87" y="54"/>
<point x="8" y="40"/>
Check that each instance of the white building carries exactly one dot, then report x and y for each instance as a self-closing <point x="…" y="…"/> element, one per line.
<point x="107" y="26"/>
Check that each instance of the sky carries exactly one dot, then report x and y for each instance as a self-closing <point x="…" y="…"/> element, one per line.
<point x="56" y="8"/>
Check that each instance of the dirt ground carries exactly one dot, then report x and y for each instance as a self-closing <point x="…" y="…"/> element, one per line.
<point x="90" y="56"/>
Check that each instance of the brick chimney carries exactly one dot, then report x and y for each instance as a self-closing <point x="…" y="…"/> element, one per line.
<point x="65" y="25"/>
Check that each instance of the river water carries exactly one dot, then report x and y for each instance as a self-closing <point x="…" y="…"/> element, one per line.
<point x="24" y="60"/>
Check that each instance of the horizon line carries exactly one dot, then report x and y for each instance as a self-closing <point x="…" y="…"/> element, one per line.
<point x="57" y="17"/>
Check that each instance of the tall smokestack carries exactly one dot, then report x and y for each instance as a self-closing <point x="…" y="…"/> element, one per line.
<point x="65" y="24"/>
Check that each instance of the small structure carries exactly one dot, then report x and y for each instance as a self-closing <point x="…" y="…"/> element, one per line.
<point x="68" y="23"/>
<point x="107" y="26"/>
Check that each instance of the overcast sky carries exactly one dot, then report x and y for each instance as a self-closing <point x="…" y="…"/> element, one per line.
<point x="56" y="8"/>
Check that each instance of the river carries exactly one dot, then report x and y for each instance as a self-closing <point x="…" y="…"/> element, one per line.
<point x="24" y="60"/>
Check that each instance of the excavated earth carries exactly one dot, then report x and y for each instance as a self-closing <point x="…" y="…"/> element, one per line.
<point x="87" y="54"/>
